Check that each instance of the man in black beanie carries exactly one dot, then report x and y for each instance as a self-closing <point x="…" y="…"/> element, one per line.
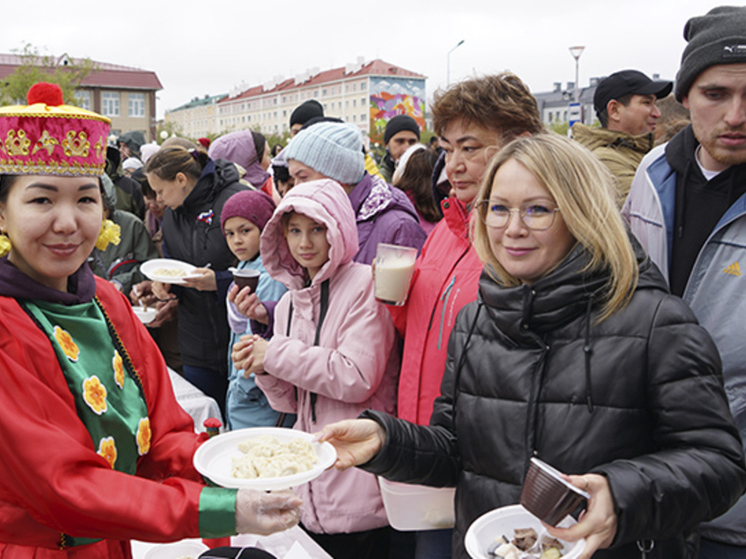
<point x="303" y="113"/>
<point x="401" y="132"/>
<point x="687" y="206"/>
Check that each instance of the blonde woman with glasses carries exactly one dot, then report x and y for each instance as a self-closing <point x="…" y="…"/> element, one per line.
<point x="574" y="352"/>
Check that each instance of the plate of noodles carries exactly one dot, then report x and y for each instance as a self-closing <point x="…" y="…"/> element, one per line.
<point x="167" y="270"/>
<point x="263" y="458"/>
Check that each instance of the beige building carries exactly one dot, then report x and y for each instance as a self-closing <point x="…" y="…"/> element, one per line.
<point x="126" y="95"/>
<point x="196" y="119"/>
<point x="365" y="94"/>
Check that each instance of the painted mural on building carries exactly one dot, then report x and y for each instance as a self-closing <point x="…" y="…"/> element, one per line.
<point x="395" y="96"/>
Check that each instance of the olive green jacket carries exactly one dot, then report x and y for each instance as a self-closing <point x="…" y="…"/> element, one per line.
<point x="619" y="151"/>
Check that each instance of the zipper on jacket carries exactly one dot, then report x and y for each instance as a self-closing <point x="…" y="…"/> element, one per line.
<point x="444" y="298"/>
<point x="432" y="313"/>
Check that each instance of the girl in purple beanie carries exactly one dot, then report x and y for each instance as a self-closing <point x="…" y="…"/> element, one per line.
<point x="242" y="221"/>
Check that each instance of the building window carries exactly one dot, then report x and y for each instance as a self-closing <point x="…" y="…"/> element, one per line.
<point x="362" y="102"/>
<point x="363" y="86"/>
<point x="110" y="103"/>
<point x="354" y="87"/>
<point x="354" y="102"/>
<point x="362" y="118"/>
<point x="323" y="92"/>
<point x="84" y="99"/>
<point x="354" y="118"/>
<point x="136" y="104"/>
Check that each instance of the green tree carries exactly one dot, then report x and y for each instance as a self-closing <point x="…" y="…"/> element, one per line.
<point x="36" y="67"/>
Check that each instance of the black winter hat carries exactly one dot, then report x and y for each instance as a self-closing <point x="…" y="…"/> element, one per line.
<point x="718" y="37"/>
<point x="306" y="111"/>
<point x="399" y="123"/>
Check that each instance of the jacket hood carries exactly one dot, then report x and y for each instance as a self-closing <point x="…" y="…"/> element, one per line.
<point x="239" y="148"/>
<point x="216" y="176"/>
<point x="373" y="196"/>
<point x="594" y="138"/>
<point x="326" y="202"/>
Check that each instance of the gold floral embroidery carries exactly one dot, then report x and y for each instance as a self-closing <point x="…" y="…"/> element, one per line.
<point x="100" y="147"/>
<point x="108" y="449"/>
<point x="143" y="436"/>
<point x="76" y="147"/>
<point x="17" y="145"/>
<point x="94" y="394"/>
<point x="118" y="369"/>
<point x="69" y="347"/>
<point x="46" y="142"/>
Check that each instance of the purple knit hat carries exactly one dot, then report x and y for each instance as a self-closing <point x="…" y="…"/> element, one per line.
<point x="253" y="205"/>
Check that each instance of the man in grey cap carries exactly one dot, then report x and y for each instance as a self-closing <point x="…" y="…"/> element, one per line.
<point x="687" y="206"/>
<point x="625" y="106"/>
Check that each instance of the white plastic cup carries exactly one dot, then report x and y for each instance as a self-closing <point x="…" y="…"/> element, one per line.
<point x="394" y="269"/>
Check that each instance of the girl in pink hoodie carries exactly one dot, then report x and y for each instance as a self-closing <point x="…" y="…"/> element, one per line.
<point x="333" y="354"/>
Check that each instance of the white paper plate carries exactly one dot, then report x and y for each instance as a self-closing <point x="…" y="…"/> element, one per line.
<point x="177" y="550"/>
<point x="146" y="316"/>
<point x="502" y="522"/>
<point x="152" y="267"/>
<point x="214" y="459"/>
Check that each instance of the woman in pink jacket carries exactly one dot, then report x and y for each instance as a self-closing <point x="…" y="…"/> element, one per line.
<point x="332" y="355"/>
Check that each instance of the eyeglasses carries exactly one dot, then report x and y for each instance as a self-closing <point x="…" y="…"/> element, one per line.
<point x="536" y="217"/>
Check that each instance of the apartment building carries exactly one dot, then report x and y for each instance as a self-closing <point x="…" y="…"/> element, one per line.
<point x="124" y="94"/>
<point x="364" y="94"/>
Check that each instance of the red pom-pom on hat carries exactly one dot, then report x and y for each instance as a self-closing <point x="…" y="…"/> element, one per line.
<point x="47" y="93"/>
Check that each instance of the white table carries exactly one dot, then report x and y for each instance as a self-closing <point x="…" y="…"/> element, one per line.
<point x="290" y="544"/>
<point x="196" y="403"/>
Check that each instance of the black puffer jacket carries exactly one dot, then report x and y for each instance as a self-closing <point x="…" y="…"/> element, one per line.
<point x="638" y="397"/>
<point x="192" y="234"/>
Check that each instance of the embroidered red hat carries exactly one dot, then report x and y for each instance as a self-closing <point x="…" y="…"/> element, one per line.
<point x="47" y="137"/>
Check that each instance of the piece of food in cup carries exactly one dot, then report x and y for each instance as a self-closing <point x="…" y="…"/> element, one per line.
<point x="523" y="546"/>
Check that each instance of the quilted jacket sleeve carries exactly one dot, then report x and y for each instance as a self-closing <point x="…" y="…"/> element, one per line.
<point x="698" y="471"/>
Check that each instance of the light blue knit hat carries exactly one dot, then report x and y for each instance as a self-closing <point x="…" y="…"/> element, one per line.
<point x="333" y="149"/>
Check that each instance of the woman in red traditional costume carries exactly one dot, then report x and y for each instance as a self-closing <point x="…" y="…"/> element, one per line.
<point x="95" y="450"/>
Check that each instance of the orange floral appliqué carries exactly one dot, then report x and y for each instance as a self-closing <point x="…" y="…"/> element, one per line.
<point x="118" y="369"/>
<point x="108" y="449"/>
<point x="94" y="394"/>
<point x="143" y="436"/>
<point x="71" y="349"/>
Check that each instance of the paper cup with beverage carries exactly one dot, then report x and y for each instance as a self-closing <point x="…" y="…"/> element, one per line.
<point x="394" y="269"/>
<point x="246" y="277"/>
<point x="547" y="495"/>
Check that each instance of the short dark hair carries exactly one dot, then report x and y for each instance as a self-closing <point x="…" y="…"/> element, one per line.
<point x="603" y="116"/>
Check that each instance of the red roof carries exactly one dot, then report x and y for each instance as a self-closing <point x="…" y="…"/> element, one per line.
<point x="374" y="68"/>
<point x="105" y="75"/>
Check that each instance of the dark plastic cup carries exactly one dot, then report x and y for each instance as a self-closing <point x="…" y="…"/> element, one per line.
<point x="547" y="496"/>
<point x="246" y="278"/>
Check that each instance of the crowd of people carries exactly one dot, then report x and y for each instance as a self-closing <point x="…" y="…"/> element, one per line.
<point x="573" y="299"/>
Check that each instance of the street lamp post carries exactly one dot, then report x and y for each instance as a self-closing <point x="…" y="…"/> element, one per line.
<point x="448" y="75"/>
<point x="576" y="52"/>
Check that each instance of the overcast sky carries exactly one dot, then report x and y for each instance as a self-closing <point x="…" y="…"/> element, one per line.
<point x="202" y="47"/>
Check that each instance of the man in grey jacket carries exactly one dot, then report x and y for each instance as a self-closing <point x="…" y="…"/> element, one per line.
<point x="687" y="206"/>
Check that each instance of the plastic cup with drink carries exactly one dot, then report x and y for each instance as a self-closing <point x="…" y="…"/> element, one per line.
<point x="394" y="269"/>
